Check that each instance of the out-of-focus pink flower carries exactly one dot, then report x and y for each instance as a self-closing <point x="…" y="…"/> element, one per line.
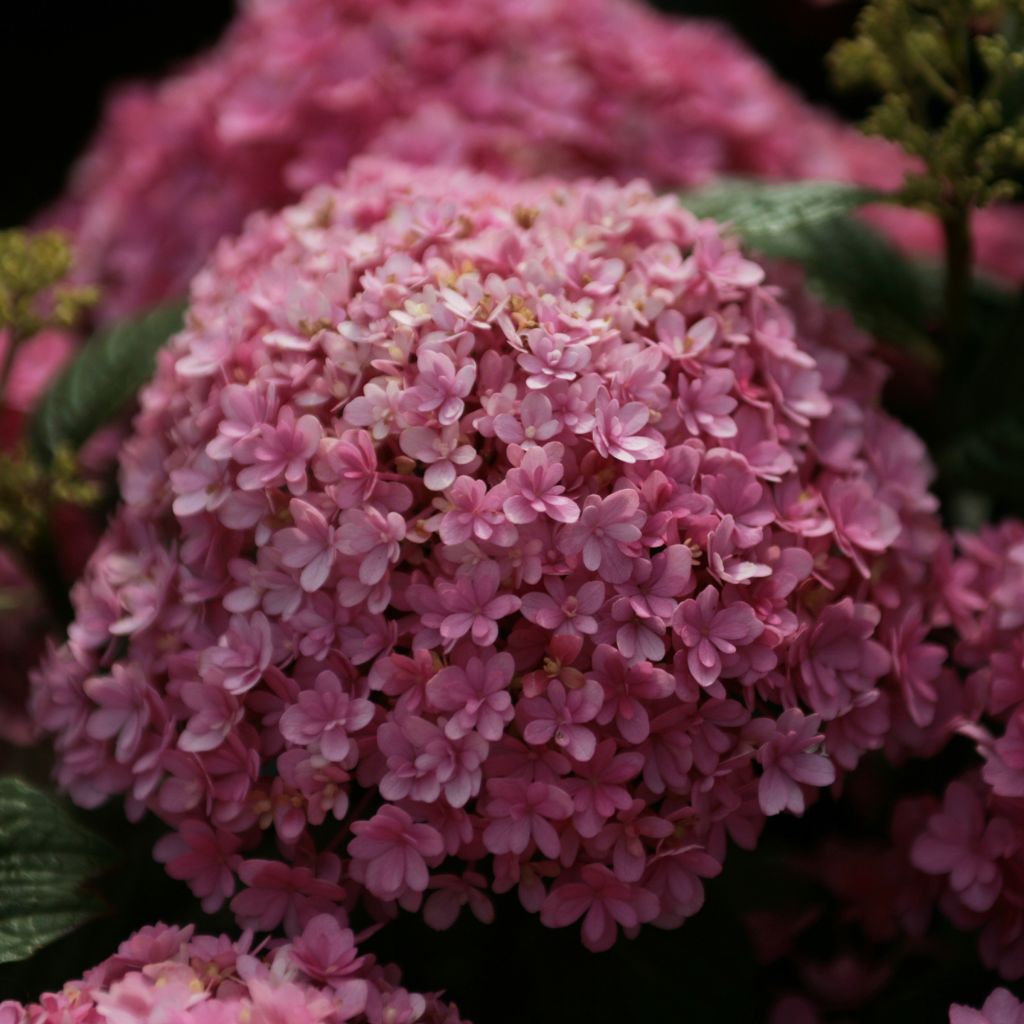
<point x="961" y="844"/>
<point x="390" y="853"/>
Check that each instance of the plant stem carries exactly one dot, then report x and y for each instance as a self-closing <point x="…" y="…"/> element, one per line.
<point x="959" y="258"/>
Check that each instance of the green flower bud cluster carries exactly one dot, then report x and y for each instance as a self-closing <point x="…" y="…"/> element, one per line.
<point x="947" y="72"/>
<point x="32" y="295"/>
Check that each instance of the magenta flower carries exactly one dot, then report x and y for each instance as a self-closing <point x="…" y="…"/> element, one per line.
<point x="629" y="690"/>
<point x="325" y="951"/>
<point x="440" y="388"/>
<point x="311" y="545"/>
<point x="552" y="358"/>
<point x="708" y="632"/>
<point x="124" y="709"/>
<point x="453" y="892"/>
<point x="658" y="583"/>
<point x="475" y="513"/>
<point x="440" y="452"/>
<point x="618" y="431"/>
<point x="204" y="857"/>
<point x="282" y="454"/>
<point x="277" y="893"/>
<point x="786" y="753"/>
<point x="1004" y="768"/>
<point x="862" y="521"/>
<point x="347" y="465"/>
<point x="532" y="513"/>
<point x="521" y="812"/>
<point x="603" y="901"/>
<point x="564" y="609"/>
<point x="706" y="404"/>
<point x="606" y="534"/>
<point x="474" y="606"/>
<point x="534" y="491"/>
<point x="372" y="538"/>
<point x="837" y="659"/>
<point x="326" y="716"/>
<point x="961" y="843"/>
<point x="423" y="762"/>
<point x="241" y="655"/>
<point x="599" y="789"/>
<point x="477" y="693"/>
<point x="390" y="853"/>
<point x="560" y="716"/>
<point x="534" y="424"/>
<point x="163" y="973"/>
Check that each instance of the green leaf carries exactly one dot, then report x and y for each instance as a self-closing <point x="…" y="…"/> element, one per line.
<point x="101" y="380"/>
<point x="845" y="262"/>
<point x="46" y="857"/>
<point x="762" y="212"/>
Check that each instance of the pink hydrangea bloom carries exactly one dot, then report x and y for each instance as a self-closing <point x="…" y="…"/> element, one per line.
<point x="461" y="624"/>
<point x="168" y="974"/>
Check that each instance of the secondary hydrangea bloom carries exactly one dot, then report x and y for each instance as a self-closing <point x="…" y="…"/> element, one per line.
<point x="974" y="841"/>
<point x="960" y="846"/>
<point x="164" y="973"/>
<point x="298" y="87"/>
<point x="436" y="554"/>
<point x="594" y="87"/>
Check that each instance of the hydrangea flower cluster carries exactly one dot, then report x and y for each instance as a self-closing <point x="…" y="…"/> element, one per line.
<point x="165" y="973"/>
<point x="298" y="87"/>
<point x="974" y="842"/>
<point x="494" y="537"/>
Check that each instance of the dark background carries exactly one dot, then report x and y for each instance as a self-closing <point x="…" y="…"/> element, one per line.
<point x="58" y="59"/>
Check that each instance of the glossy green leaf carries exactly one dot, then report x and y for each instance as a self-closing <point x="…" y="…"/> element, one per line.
<point x="102" y="380"/>
<point x="761" y="211"/>
<point x="46" y="859"/>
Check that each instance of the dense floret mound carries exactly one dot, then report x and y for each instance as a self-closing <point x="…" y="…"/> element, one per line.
<point x="495" y="536"/>
<point x="297" y="88"/>
<point x="165" y="973"/>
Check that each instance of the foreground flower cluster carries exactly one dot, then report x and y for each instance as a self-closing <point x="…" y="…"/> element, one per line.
<point x="494" y="536"/>
<point x="163" y="973"/>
